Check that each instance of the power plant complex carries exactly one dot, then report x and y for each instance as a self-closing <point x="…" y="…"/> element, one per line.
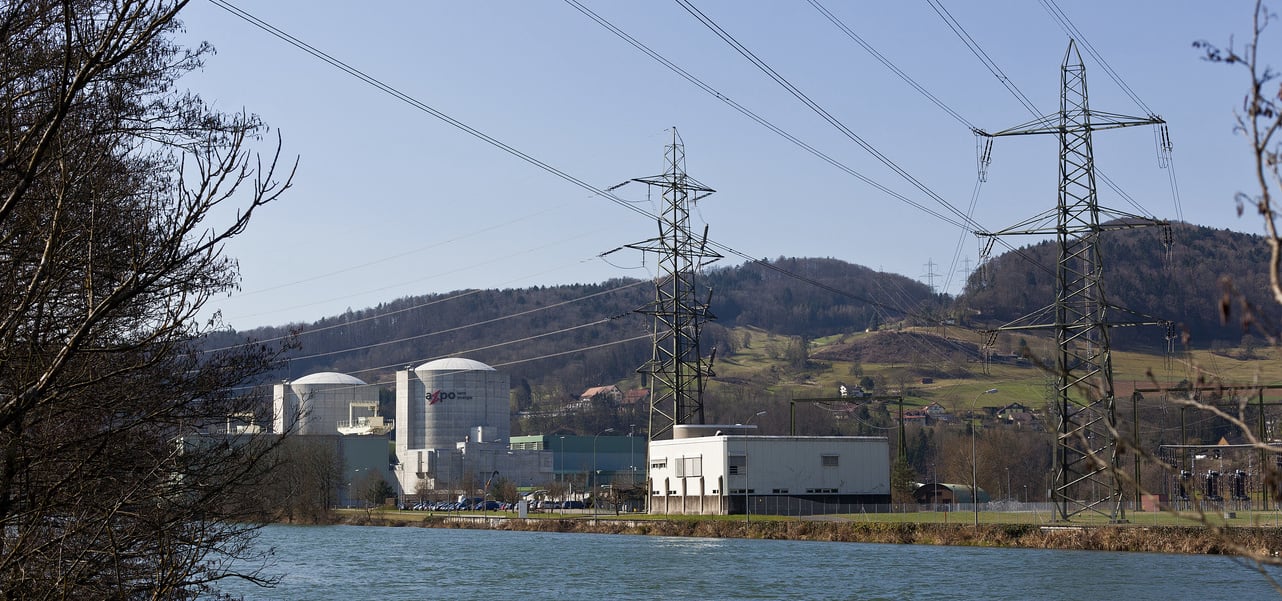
<point x="452" y="428"/>
<point x="452" y="436"/>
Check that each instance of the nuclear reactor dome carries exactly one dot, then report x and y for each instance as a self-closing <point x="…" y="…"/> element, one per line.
<point x="451" y="399"/>
<point x="316" y="403"/>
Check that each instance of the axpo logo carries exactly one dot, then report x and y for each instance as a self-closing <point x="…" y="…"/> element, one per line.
<point x="438" y="396"/>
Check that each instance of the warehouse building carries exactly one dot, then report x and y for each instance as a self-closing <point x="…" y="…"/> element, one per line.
<point x="726" y="469"/>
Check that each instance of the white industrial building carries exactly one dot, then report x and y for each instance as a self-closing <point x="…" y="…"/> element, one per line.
<point x="732" y="471"/>
<point x="452" y="428"/>
<point x="322" y="403"/>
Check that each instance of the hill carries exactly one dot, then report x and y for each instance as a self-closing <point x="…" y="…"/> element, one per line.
<point x="1206" y="282"/>
<point x="779" y="322"/>
<point x="559" y="340"/>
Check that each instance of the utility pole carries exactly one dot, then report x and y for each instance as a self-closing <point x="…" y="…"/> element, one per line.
<point x="1086" y="449"/>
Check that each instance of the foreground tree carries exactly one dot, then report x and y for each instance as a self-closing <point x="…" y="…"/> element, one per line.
<point x="109" y="182"/>
<point x="306" y="473"/>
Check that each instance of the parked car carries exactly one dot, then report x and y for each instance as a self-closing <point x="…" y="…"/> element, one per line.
<point x="573" y="505"/>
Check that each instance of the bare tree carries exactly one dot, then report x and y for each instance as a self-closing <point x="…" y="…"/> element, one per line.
<point x="111" y="180"/>
<point x="304" y="477"/>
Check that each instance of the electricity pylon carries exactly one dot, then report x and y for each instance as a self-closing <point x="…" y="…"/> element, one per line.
<point x="1086" y="478"/>
<point x="677" y="366"/>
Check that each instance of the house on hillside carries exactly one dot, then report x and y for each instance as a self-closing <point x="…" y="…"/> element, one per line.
<point x="935" y="411"/>
<point x="609" y="396"/>
<point x="1017" y="414"/>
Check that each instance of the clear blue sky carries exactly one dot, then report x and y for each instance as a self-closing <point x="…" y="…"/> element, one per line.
<point x="391" y="202"/>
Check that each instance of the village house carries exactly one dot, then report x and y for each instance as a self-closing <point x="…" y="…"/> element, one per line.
<point x="609" y="396"/>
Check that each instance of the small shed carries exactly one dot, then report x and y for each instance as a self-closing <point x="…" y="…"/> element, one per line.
<point x="941" y="493"/>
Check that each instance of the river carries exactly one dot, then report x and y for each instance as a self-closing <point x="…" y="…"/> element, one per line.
<point x="365" y="562"/>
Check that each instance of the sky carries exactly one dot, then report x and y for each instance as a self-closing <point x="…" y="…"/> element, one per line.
<point x="390" y="201"/>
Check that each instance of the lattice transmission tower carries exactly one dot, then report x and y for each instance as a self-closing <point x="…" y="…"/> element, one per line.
<point x="1085" y="472"/>
<point x="677" y="368"/>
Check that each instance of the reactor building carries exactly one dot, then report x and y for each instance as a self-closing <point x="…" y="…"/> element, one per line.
<point x="452" y="427"/>
<point x="322" y="403"/>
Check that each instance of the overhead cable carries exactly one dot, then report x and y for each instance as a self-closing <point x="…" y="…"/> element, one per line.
<point x="752" y="115"/>
<point x="421" y="106"/>
<point x="888" y="64"/>
<point x="821" y="111"/>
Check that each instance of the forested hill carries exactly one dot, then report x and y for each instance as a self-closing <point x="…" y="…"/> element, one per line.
<point x="562" y="335"/>
<point x="1187" y="284"/>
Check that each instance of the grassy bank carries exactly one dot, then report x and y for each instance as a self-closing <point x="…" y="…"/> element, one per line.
<point x="1215" y="540"/>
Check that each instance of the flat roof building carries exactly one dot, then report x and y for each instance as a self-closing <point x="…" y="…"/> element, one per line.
<point x="778" y="475"/>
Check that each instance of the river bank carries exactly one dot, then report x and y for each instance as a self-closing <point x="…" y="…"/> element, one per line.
<point x="1203" y="540"/>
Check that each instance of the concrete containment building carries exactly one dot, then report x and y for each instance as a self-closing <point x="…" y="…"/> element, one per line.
<point x="731" y="472"/>
<point x="452" y="416"/>
<point x="318" y="403"/>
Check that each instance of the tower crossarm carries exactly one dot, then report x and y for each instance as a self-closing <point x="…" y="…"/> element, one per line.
<point x="1094" y="121"/>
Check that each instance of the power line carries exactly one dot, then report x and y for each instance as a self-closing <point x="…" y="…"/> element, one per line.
<point x="503" y="364"/>
<point x="420" y="306"/>
<point x="1161" y="133"/>
<point x="966" y="219"/>
<point x="767" y="124"/>
<point x="400" y="284"/>
<point x="991" y="65"/>
<point x="819" y="110"/>
<point x="421" y="106"/>
<point x="889" y="65"/>
<point x="482" y="323"/>
<point x="1060" y="17"/>
<point x="983" y="57"/>
<point x="754" y="116"/>
<point x="404" y="98"/>
<point x="970" y="212"/>
<point x="439" y="243"/>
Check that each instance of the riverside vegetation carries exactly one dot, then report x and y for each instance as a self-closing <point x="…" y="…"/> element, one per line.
<point x="1214" y="539"/>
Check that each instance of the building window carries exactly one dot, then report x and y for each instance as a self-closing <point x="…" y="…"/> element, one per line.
<point x="735" y="464"/>
<point x="829" y="460"/>
<point x="659" y="464"/>
<point x="689" y="467"/>
<point x="692" y="466"/>
<point x="781" y="491"/>
<point x="821" y="491"/>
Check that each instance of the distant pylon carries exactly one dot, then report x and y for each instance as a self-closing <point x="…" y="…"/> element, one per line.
<point x="1086" y="478"/>
<point x="677" y="366"/>
<point x="930" y="275"/>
